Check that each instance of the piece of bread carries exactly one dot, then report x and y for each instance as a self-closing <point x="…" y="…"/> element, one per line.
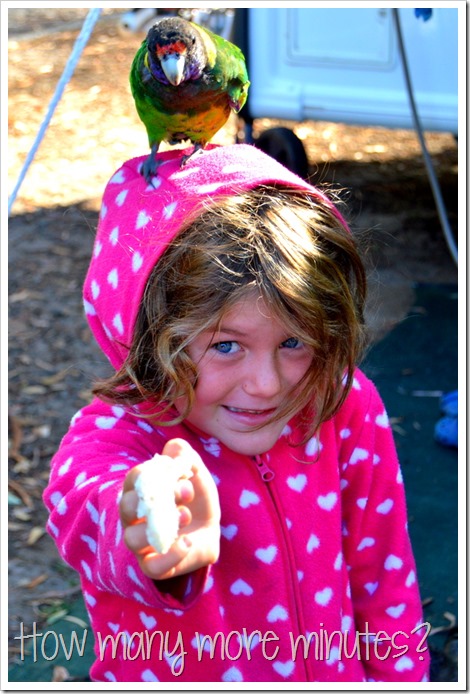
<point x="155" y="487"/>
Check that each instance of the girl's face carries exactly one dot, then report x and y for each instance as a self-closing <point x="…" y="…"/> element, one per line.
<point x="246" y="370"/>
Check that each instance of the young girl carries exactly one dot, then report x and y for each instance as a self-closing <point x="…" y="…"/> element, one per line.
<point x="228" y="296"/>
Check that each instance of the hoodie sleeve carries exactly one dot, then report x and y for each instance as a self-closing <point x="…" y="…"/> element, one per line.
<point x="382" y="570"/>
<point x="87" y="473"/>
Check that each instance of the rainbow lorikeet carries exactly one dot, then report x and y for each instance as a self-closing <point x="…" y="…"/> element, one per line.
<point x="185" y="80"/>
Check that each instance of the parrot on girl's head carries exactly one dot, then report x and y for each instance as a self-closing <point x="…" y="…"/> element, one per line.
<point x="185" y="80"/>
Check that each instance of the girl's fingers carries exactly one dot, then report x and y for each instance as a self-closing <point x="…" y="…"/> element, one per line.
<point x="184" y="491"/>
<point x="162" y="566"/>
<point x="184" y="494"/>
<point x="128" y="507"/>
<point x="175" y="448"/>
<point x="185" y="516"/>
<point x="135" y="535"/>
<point x="130" y="478"/>
<point x="179" y="448"/>
<point x="204" y="551"/>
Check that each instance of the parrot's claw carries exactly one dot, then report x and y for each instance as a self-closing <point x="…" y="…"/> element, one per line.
<point x="150" y="166"/>
<point x="198" y="148"/>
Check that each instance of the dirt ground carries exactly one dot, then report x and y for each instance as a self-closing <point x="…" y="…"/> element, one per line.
<point x="52" y="359"/>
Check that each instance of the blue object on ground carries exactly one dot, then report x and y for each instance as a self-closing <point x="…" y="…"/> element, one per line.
<point x="449" y="403"/>
<point x="446" y="431"/>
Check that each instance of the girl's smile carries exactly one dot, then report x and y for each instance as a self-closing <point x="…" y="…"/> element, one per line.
<point x="247" y="368"/>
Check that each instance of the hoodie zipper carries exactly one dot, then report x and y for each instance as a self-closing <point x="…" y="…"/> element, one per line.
<point x="267" y="475"/>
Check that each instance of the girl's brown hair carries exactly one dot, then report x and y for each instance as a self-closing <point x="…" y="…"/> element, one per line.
<point x="292" y="249"/>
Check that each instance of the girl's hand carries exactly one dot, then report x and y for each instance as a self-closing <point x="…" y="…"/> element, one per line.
<point x="197" y="499"/>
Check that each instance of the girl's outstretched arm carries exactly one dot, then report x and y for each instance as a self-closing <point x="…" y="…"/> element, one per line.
<point x="103" y="445"/>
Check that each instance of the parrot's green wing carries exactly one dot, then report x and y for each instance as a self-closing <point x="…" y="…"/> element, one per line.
<point x="228" y="67"/>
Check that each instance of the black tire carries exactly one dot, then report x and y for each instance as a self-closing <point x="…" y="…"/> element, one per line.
<point x="283" y="145"/>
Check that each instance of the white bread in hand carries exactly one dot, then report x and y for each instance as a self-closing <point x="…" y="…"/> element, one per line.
<point x="155" y="486"/>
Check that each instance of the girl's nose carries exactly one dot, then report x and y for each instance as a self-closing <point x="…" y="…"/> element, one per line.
<point x="263" y="378"/>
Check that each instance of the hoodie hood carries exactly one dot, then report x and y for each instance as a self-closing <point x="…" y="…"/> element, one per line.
<point x="137" y="222"/>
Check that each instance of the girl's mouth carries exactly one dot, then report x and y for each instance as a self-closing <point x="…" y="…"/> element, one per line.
<point x="239" y="410"/>
<point x="249" y="417"/>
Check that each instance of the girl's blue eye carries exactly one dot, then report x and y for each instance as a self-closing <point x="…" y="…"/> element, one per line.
<point x="225" y="347"/>
<point x="292" y="343"/>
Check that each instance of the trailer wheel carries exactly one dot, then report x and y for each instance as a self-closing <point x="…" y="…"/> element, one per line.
<point x="283" y="145"/>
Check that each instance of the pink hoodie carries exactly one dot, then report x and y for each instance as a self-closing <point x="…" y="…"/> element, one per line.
<point x="316" y="579"/>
